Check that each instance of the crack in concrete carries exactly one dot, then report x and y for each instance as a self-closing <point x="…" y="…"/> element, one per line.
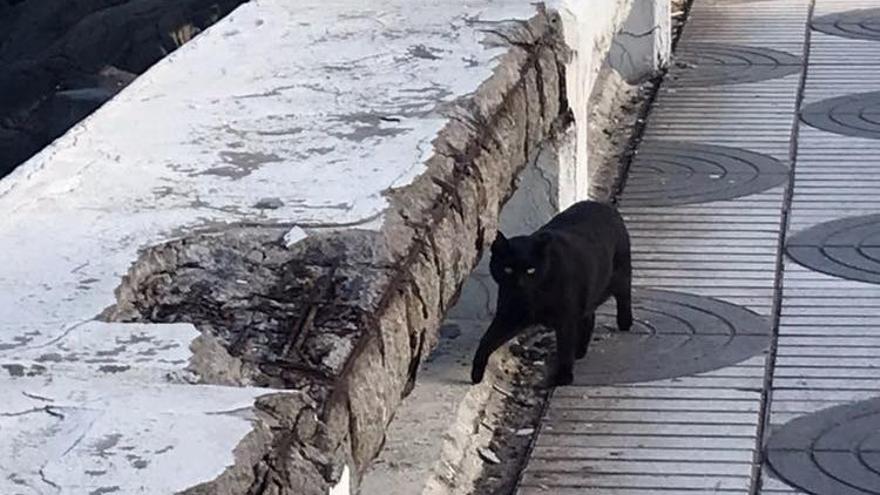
<point x="553" y="198"/>
<point x="52" y="412"/>
<point x="640" y="35"/>
<point x="335" y="225"/>
<point x="625" y="54"/>
<point x="80" y="267"/>
<point x="47" y="481"/>
<point x="62" y="336"/>
<point x="80" y="438"/>
<point x="36" y="397"/>
<point x="25" y="412"/>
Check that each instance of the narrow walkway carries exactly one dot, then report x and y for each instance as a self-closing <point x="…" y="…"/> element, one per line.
<point x="737" y="344"/>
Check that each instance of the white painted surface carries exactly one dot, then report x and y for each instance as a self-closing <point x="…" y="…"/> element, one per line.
<point x="644" y="45"/>
<point x="279" y="100"/>
<point x="299" y="113"/>
<point x="344" y="485"/>
<point x="78" y="435"/>
<point x="129" y="351"/>
<point x="589" y="26"/>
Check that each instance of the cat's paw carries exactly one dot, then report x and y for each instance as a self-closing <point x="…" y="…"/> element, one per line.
<point x="581" y="352"/>
<point x="477" y="375"/>
<point x="624" y="324"/>
<point x="562" y="378"/>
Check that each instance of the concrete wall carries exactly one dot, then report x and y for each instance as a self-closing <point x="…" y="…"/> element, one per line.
<point x="644" y="42"/>
<point x="224" y="280"/>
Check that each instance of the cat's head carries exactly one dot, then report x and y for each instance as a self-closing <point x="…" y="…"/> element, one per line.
<point x="520" y="261"/>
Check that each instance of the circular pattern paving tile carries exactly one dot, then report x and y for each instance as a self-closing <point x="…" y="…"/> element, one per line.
<point x="855" y="115"/>
<point x="674" y="334"/>
<point x="674" y="173"/>
<point x="834" y="451"/>
<point x="709" y="64"/>
<point x="863" y="24"/>
<point x="847" y="248"/>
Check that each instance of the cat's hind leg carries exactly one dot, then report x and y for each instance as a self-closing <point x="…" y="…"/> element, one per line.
<point x="621" y="287"/>
<point x="585" y="334"/>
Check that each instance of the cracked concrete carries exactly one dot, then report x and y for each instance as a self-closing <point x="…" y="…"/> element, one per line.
<point x="644" y="43"/>
<point x="151" y="296"/>
<point x="58" y="443"/>
<point x="145" y="317"/>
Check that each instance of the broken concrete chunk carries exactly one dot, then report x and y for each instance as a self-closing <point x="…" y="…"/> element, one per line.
<point x="488" y="455"/>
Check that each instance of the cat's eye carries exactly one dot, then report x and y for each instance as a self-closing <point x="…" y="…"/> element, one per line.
<point x="508" y="270"/>
<point x="530" y="271"/>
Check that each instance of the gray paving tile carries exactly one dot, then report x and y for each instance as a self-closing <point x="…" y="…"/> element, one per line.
<point x="655" y="391"/>
<point x="654" y="404"/>
<point x="643" y="437"/>
<point x="834" y="450"/>
<point x="830" y="397"/>
<point x="559" y="415"/>
<point x="556" y="490"/>
<point x="644" y="454"/>
<point x="694" y="481"/>
<point x="666" y="468"/>
<point x="645" y="441"/>
<point x="860" y="24"/>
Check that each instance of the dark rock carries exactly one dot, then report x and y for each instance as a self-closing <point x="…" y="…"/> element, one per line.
<point x="61" y="60"/>
<point x="65" y="108"/>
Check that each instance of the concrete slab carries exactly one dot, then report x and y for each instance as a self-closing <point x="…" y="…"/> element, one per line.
<point x="64" y="433"/>
<point x="202" y="227"/>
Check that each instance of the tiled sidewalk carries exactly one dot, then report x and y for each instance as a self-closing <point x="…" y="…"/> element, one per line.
<point x="829" y="331"/>
<point x="707" y="199"/>
<point x="706" y="204"/>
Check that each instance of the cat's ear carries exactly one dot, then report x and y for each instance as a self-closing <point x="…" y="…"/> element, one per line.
<point x="500" y="243"/>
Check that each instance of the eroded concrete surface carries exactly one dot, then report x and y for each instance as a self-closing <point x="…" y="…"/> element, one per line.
<point x="289" y="203"/>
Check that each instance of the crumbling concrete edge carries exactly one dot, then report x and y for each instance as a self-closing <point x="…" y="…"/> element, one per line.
<point x="408" y="274"/>
<point x="480" y="154"/>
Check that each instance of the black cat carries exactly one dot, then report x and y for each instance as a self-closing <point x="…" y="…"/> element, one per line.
<point x="557" y="277"/>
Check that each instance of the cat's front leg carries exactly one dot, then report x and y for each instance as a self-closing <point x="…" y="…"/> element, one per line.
<point x="566" y="343"/>
<point x="499" y="332"/>
<point x="585" y="334"/>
